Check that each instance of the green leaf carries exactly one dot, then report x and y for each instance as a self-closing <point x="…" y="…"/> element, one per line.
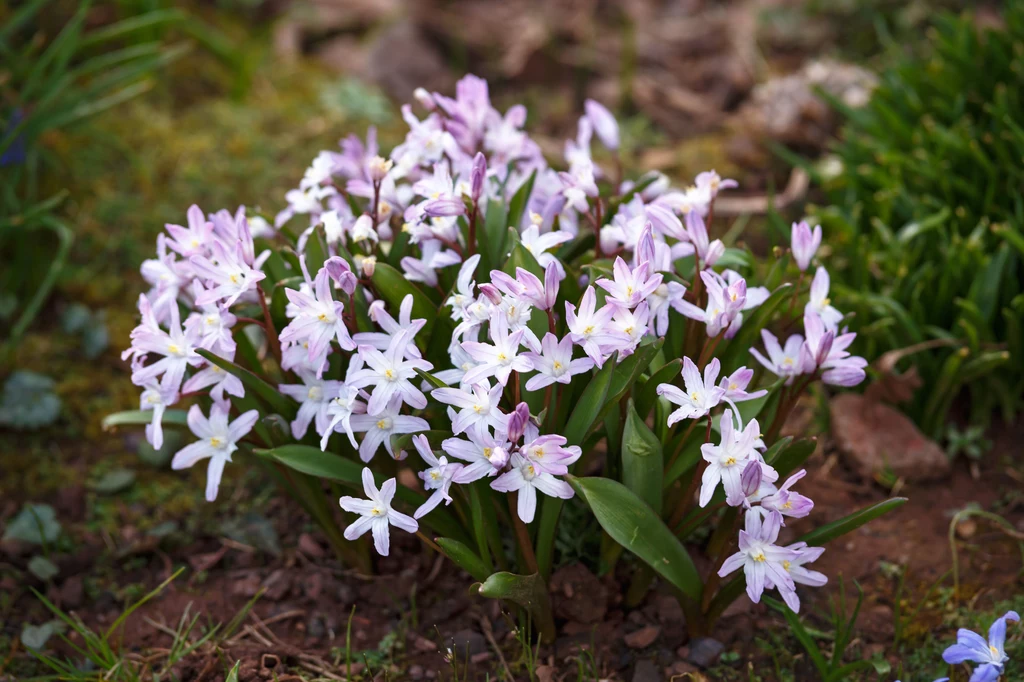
<point x="393" y="287"/>
<point x="648" y="393"/>
<point x="431" y="379"/>
<point x="522" y="258"/>
<point x="491" y="239"/>
<point x="42" y="568"/>
<point x="590" y="404"/>
<point x="628" y="372"/>
<point x="35" y="523"/>
<point x="791" y="456"/>
<point x="277" y="402"/>
<point x="831" y="531"/>
<point x="517" y="205"/>
<point x="635" y="526"/>
<point x="463" y="557"/>
<point x="233" y="674"/>
<point x="114" y="481"/>
<point x="144" y="417"/>
<point x="642" y="467"/>
<point x="313" y="461"/>
<point x="802" y="635"/>
<point x="528" y="591"/>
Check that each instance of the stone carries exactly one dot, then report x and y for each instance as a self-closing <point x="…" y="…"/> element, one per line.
<point x="310" y="547"/>
<point x="577" y="595"/>
<point x="704" y="651"/>
<point x="669" y="610"/>
<point x="642" y="638"/>
<point x="72" y="593"/>
<point x="681" y="669"/>
<point x="874" y="437"/>
<point x="416" y="672"/>
<point x="467" y="642"/>
<point x="646" y="671"/>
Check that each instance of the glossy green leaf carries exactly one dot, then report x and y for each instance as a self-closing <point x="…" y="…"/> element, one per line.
<point x="635" y="526"/>
<point x="431" y="379"/>
<point x="528" y="591"/>
<point x="277" y="402"/>
<point x="144" y="417"/>
<point x="517" y="205"/>
<point x="522" y="258"/>
<point x="393" y="287"/>
<point x="790" y="457"/>
<point x="590" y="404"/>
<point x="648" y="393"/>
<point x="831" y="531"/>
<point x="463" y="557"/>
<point x="642" y="466"/>
<point x="491" y="239"/>
<point x="627" y="372"/>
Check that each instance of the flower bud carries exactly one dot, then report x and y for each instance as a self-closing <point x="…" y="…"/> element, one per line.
<point x="605" y="125"/>
<point x="478" y="176"/>
<point x="339" y="271"/>
<point x="379" y="167"/>
<point x="750" y="479"/>
<point x="491" y="292"/>
<point x="369" y="265"/>
<point x="517" y="422"/>
<point x="425" y="99"/>
<point x="498" y="458"/>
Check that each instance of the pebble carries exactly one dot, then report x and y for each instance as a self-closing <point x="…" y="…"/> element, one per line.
<point x="704" y="651"/>
<point x="646" y="671"/>
<point x="642" y="638"/>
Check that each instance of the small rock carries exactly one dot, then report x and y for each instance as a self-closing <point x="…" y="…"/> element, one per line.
<point x="310" y="547"/>
<point x="312" y="585"/>
<point x="578" y="595"/>
<point x="247" y="586"/>
<point x="642" y="638"/>
<point x="416" y="672"/>
<point x="71" y="593"/>
<point x="467" y="642"/>
<point x="346" y="595"/>
<point x="966" y="529"/>
<point x="477" y="659"/>
<point x="875" y="437"/>
<point x="277" y="584"/>
<point x="704" y="651"/>
<point x="423" y="644"/>
<point x="315" y="628"/>
<point x="646" y="671"/>
<point x="681" y="669"/>
<point x="669" y="610"/>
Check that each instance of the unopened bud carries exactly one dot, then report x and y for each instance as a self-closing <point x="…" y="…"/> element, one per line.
<point x="517" y="422"/>
<point x="379" y="167"/>
<point x="491" y="292"/>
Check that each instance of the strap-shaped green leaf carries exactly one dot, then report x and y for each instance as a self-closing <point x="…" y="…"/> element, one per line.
<point x="517" y="204"/>
<point x="590" y="404"/>
<point x="529" y="591"/>
<point x="642" y="467"/>
<point x="463" y="557"/>
<point x="277" y="402"/>
<point x="648" y="393"/>
<point x="791" y="456"/>
<point x="635" y="526"/>
<point x="831" y="531"/>
<point x="144" y="417"/>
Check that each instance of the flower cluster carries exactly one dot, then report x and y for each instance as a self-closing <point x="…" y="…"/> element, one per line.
<point x="459" y="295"/>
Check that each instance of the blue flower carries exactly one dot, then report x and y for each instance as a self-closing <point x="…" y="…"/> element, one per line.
<point x="971" y="646"/>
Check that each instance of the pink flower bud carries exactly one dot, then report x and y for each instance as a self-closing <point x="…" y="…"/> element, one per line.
<point x="478" y="176"/>
<point x="491" y="292"/>
<point x="517" y="422"/>
<point x="341" y="273"/>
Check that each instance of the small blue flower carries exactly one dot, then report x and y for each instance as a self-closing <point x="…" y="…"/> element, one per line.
<point x="970" y="646"/>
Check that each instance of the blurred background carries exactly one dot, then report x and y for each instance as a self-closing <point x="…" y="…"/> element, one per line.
<point x="893" y="123"/>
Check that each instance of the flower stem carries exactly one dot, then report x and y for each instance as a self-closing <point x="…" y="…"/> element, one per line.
<point x="522" y="535"/>
<point x="268" y="325"/>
